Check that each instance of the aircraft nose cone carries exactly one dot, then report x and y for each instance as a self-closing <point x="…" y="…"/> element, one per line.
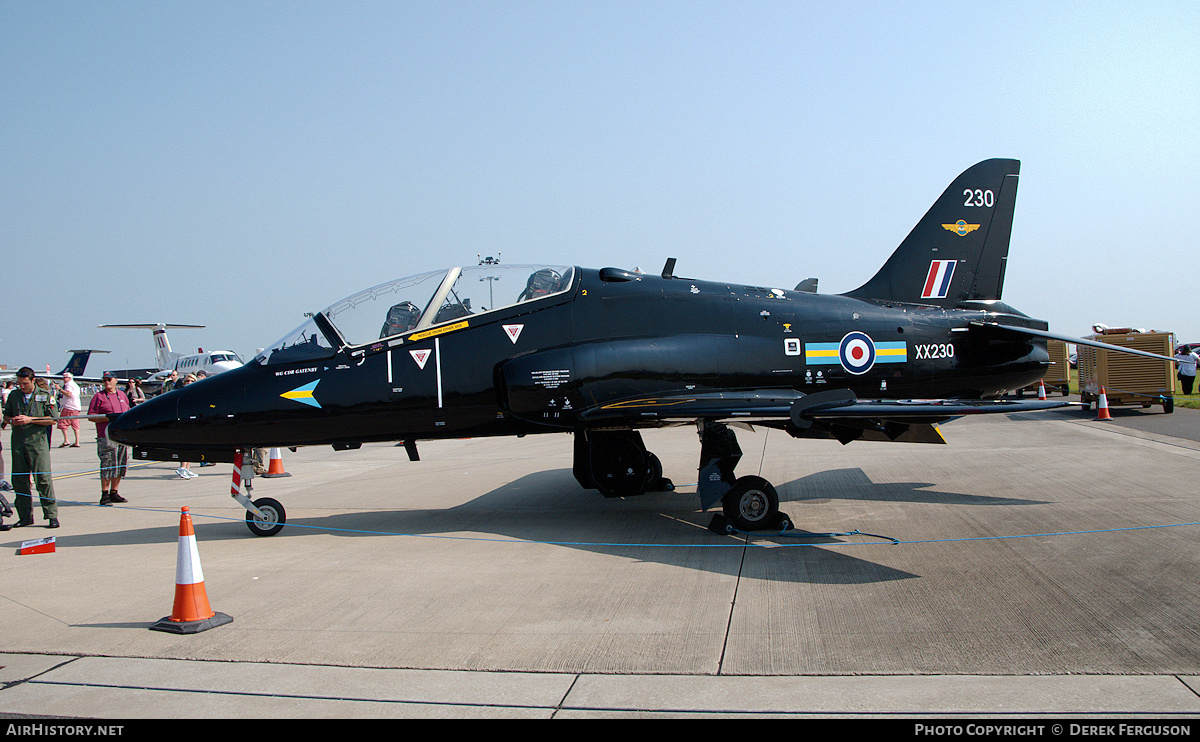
<point x="146" y="423"/>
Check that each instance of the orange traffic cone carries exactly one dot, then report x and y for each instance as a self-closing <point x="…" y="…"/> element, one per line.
<point x="275" y="469"/>
<point x="191" y="613"/>
<point x="1042" y="391"/>
<point x="1102" y="407"/>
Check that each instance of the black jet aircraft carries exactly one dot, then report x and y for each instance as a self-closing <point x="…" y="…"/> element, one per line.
<point x="495" y="350"/>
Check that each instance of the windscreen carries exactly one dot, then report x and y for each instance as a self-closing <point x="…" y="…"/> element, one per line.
<point x="305" y="343"/>
<point x="384" y="310"/>
<point x="417" y="302"/>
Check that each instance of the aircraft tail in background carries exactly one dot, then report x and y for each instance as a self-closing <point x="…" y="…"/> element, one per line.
<point x="163" y="355"/>
<point x="78" y="362"/>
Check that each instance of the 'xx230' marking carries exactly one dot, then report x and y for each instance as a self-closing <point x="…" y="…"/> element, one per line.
<point x="940" y="350"/>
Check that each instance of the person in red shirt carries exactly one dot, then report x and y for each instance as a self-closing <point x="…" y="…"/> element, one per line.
<point x="113" y="456"/>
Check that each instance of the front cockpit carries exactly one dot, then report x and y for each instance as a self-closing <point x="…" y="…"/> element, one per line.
<point x="416" y="303"/>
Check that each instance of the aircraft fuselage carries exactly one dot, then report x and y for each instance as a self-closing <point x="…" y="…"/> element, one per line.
<point x="611" y="336"/>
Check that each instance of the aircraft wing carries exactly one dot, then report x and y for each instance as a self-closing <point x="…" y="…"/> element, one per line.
<point x="834" y="413"/>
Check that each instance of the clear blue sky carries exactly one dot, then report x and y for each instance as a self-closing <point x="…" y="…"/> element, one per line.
<point x="236" y="164"/>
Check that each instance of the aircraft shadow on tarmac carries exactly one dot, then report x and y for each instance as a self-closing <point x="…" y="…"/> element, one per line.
<point x="854" y="484"/>
<point x="549" y="507"/>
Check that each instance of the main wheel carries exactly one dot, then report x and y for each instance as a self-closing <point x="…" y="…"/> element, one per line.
<point x="751" y="504"/>
<point x="272" y="521"/>
<point x="655" y="482"/>
<point x="619" y="467"/>
<point x="653" y="470"/>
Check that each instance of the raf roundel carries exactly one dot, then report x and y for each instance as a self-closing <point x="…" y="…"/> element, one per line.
<point x="856" y="352"/>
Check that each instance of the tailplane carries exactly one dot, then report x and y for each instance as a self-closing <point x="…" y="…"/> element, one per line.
<point x="958" y="251"/>
<point x="163" y="354"/>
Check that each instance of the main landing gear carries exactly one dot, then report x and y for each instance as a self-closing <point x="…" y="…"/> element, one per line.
<point x="616" y="463"/>
<point x="748" y="503"/>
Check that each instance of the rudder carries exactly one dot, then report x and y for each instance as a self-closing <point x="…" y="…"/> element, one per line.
<point x="958" y="251"/>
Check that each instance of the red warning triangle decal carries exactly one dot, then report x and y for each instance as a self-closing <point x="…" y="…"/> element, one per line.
<point x="420" y="356"/>
<point x="514" y="332"/>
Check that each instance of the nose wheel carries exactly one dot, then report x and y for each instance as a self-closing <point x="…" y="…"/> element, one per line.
<point x="270" y="522"/>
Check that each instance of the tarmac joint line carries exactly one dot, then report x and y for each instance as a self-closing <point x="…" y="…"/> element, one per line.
<point x="291" y="696"/>
<point x="33" y="678"/>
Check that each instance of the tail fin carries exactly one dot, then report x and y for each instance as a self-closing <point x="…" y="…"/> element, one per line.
<point x="162" y="347"/>
<point x="78" y="362"/>
<point x="958" y="251"/>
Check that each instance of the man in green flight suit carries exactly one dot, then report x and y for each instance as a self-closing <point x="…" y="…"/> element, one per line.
<point x="30" y="410"/>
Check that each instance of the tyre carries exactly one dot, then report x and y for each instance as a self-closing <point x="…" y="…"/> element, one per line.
<point x="654" y="470"/>
<point x="618" y="466"/>
<point x="751" y="504"/>
<point x="272" y="520"/>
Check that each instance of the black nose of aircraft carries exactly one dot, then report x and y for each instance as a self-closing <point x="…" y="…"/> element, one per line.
<point x="146" y="424"/>
<point x="198" y="416"/>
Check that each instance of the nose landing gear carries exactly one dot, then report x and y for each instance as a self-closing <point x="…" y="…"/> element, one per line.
<point x="264" y="516"/>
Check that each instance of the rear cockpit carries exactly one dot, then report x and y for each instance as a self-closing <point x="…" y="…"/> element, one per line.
<point x="417" y="303"/>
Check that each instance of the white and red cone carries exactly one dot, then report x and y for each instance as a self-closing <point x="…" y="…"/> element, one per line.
<point x="191" y="613"/>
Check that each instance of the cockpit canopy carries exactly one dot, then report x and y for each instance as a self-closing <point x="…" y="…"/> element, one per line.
<point x="417" y="303"/>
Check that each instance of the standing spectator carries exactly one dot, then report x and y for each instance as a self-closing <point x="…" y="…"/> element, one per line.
<point x="133" y="390"/>
<point x="44" y="386"/>
<point x="185" y="469"/>
<point x="5" y="507"/>
<point x="113" y="456"/>
<point x="69" y="408"/>
<point x="30" y="409"/>
<point x="171" y="382"/>
<point x="1186" y="361"/>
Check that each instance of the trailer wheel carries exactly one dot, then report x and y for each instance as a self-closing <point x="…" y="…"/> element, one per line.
<point x="1168" y="404"/>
